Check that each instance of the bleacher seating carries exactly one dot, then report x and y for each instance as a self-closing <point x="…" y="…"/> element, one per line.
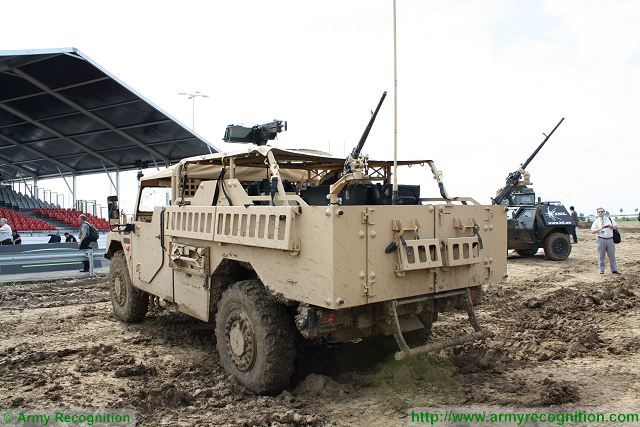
<point x="20" y="222"/>
<point x="70" y="217"/>
<point x="14" y="200"/>
<point x="20" y="211"/>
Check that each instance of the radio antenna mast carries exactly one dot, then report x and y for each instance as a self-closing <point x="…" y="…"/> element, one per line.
<point x="394" y="196"/>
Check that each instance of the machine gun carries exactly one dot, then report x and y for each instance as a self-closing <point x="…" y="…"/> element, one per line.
<point x="258" y="134"/>
<point x="355" y="153"/>
<point x="513" y="178"/>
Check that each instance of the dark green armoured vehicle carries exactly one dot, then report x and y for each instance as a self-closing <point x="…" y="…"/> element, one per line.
<point x="534" y="224"/>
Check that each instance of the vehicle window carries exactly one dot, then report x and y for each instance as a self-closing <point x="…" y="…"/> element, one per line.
<point x="152" y="197"/>
<point x="524" y="199"/>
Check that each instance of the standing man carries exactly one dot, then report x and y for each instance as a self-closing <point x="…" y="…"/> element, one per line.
<point x="6" y="236"/>
<point x="574" y="217"/>
<point x="85" y="239"/>
<point x="603" y="228"/>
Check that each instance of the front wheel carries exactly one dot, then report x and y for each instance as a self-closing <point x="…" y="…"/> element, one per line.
<point x="129" y="304"/>
<point x="557" y="246"/>
<point x="255" y="337"/>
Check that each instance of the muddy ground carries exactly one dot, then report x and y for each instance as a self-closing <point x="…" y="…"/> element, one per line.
<point x="564" y="335"/>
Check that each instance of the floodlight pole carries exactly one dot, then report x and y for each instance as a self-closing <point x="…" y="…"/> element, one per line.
<point x="192" y="97"/>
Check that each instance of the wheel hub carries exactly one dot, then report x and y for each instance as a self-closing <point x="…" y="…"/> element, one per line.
<point x="559" y="246"/>
<point x="236" y="339"/>
<point x="240" y="340"/>
<point x="119" y="290"/>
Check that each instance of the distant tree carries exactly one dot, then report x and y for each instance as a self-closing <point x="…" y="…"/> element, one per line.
<point x="620" y="210"/>
<point x="636" y="209"/>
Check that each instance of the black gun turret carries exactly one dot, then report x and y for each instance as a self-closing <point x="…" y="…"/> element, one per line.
<point x="258" y="134"/>
<point x="355" y="153"/>
<point x="513" y="178"/>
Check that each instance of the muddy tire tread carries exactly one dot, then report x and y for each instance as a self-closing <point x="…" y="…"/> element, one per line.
<point x="137" y="301"/>
<point x="279" y="337"/>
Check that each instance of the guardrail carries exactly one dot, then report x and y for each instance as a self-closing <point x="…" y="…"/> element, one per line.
<point x="60" y="256"/>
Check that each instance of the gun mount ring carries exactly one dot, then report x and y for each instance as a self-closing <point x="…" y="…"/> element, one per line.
<point x="240" y="340"/>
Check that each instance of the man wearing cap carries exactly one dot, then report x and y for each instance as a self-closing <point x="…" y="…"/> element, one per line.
<point x="603" y="228"/>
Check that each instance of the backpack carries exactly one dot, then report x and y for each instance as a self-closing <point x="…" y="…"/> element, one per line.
<point x="93" y="233"/>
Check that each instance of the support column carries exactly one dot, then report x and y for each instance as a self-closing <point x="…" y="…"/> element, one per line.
<point x="73" y="191"/>
<point x="35" y="187"/>
<point x="26" y="186"/>
<point x="118" y="183"/>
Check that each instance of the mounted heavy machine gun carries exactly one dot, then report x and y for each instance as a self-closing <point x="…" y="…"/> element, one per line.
<point x="355" y="167"/>
<point x="532" y="225"/>
<point x="356" y="153"/>
<point x="355" y="164"/>
<point x="513" y="180"/>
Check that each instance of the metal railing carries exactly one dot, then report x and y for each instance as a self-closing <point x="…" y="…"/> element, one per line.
<point x="46" y="256"/>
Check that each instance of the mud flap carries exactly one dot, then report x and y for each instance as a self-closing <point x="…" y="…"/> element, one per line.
<point x="405" y="351"/>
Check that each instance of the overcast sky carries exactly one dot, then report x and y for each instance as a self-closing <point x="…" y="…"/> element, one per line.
<point x="478" y="81"/>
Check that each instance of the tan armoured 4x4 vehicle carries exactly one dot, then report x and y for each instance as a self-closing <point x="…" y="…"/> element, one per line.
<point x="271" y="243"/>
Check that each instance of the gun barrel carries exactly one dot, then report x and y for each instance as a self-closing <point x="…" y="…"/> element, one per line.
<point x="526" y="163"/>
<point x="358" y="148"/>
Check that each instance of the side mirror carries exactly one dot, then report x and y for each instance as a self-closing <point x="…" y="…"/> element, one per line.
<point x="113" y="212"/>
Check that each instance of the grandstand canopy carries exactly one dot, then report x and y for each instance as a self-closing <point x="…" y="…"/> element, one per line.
<point x="61" y="113"/>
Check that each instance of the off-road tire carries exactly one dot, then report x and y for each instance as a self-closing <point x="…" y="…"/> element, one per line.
<point x="557" y="246"/>
<point x="129" y="304"/>
<point x="262" y="360"/>
<point x="526" y="253"/>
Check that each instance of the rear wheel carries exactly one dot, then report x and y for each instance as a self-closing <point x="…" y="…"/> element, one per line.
<point x="418" y="337"/>
<point x="557" y="246"/>
<point x="129" y="304"/>
<point x="527" y="252"/>
<point x="255" y="338"/>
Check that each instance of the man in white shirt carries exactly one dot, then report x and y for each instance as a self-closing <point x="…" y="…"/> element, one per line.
<point x="6" y="235"/>
<point x="603" y="228"/>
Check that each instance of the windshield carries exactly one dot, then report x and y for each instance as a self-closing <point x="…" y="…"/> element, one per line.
<point x="524" y="199"/>
<point x="152" y="197"/>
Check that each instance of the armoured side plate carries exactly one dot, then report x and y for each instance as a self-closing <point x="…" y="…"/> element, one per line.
<point x="261" y="226"/>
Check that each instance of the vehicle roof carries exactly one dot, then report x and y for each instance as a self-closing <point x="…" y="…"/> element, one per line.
<point x="253" y="156"/>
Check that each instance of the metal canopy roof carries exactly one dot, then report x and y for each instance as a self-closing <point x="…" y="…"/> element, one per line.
<point x="61" y="113"/>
